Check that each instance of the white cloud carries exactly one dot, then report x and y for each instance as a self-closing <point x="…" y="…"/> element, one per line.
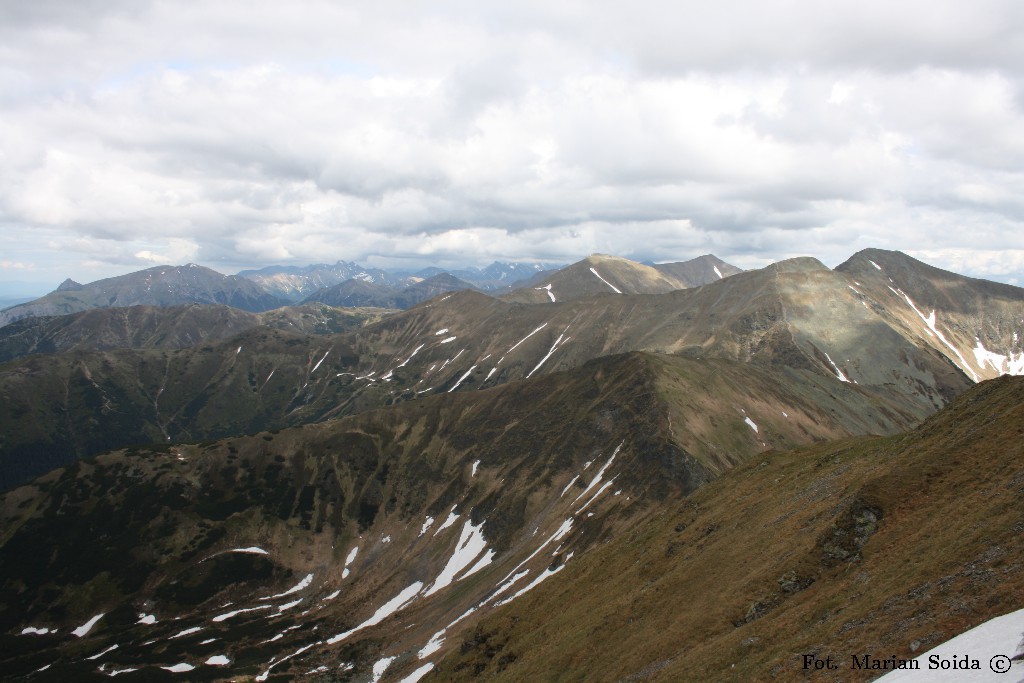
<point x="238" y="134"/>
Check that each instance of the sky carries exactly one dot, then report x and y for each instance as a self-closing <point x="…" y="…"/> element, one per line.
<point x="239" y="134"/>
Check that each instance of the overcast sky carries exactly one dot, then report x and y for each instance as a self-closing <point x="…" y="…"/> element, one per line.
<point x="247" y="133"/>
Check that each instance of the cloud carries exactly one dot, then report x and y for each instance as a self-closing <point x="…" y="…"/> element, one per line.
<point x="239" y="134"/>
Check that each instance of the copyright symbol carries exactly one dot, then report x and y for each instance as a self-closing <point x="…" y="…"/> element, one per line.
<point x="1000" y="664"/>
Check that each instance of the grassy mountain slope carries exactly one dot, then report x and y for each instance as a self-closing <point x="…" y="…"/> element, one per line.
<point x="598" y="274"/>
<point x="174" y="327"/>
<point x="699" y="271"/>
<point x="885" y="546"/>
<point x="544" y="469"/>
<point x="975" y="323"/>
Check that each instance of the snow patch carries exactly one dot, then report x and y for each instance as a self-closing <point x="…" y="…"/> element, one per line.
<point x="224" y="617"/>
<point x="111" y="673"/>
<point x="452" y="517"/>
<point x="288" y="605"/>
<point x="476" y="464"/>
<point x="417" y="674"/>
<point x="294" y="589"/>
<point x="440" y="332"/>
<point x="930" y="322"/>
<point x="187" y="632"/>
<point x="839" y="373"/>
<point x="100" y="654"/>
<point x="471" y="544"/>
<point x="178" y="668"/>
<point x="547" y="288"/>
<point x="461" y="379"/>
<point x="32" y="630"/>
<point x="1004" y="365"/>
<point x="263" y="676"/>
<point x="508" y="584"/>
<point x="569" y="485"/>
<point x="387" y="609"/>
<point x="874" y="264"/>
<point x="252" y="549"/>
<point x="87" y="626"/>
<point x="599" y="492"/>
<point x="449" y="339"/>
<point x="600" y="473"/>
<point x="554" y="347"/>
<point x="218" y="660"/>
<point x="379" y="667"/>
<point x="417" y="350"/>
<point x="320" y="361"/>
<point x="433" y="645"/>
<point x="522" y="340"/>
<point x="427" y="523"/>
<point x="614" y="288"/>
<point x="547" y="573"/>
<point x="751" y="424"/>
<point x="999" y="636"/>
<point x="717" y="272"/>
<point x="559" y="534"/>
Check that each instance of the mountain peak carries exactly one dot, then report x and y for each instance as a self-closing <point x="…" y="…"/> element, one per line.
<point x="69" y="285"/>
<point x="799" y="264"/>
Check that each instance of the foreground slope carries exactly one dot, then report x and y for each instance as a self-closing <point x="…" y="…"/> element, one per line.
<point x="876" y="546"/>
<point x="380" y="535"/>
<point x="796" y="314"/>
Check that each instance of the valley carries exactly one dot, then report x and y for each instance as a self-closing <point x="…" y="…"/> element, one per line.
<point x="613" y="472"/>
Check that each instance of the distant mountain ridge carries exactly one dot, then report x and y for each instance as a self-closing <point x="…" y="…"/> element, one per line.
<point x="600" y="274"/>
<point x="343" y="284"/>
<point x="796" y="314"/>
<point x="360" y="293"/>
<point x="299" y="283"/>
<point x="296" y="283"/>
<point x="157" y="286"/>
<point x="172" y="327"/>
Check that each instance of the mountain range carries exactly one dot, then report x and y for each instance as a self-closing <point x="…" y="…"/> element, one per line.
<point x="705" y="472"/>
<point x="343" y="284"/>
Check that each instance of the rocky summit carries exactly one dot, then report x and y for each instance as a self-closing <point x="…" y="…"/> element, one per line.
<point x="614" y="472"/>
